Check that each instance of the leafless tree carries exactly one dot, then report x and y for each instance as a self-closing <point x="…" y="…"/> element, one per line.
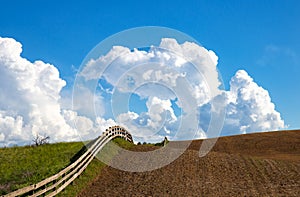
<point x="40" y="140"/>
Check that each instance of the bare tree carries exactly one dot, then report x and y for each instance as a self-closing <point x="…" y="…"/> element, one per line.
<point x="40" y="140"/>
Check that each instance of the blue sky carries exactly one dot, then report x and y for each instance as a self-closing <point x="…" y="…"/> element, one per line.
<point x="261" y="37"/>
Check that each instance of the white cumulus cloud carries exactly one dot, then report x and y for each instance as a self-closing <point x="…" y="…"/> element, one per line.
<point x="150" y="124"/>
<point x="30" y="100"/>
<point x="249" y="107"/>
<point x="29" y="97"/>
<point x="31" y="103"/>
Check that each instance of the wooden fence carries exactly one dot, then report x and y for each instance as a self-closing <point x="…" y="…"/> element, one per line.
<point x="56" y="183"/>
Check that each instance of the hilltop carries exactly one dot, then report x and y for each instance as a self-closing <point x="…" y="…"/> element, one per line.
<point x="23" y="166"/>
<point x="27" y="165"/>
<point x="260" y="164"/>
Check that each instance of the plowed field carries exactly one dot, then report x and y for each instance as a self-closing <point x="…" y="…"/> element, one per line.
<point x="261" y="164"/>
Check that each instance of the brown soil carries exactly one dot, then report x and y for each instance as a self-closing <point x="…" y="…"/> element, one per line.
<point x="261" y="164"/>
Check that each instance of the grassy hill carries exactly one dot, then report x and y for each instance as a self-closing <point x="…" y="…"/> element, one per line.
<point x="23" y="166"/>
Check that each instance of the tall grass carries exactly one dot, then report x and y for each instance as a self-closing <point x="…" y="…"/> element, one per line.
<point x="23" y="166"/>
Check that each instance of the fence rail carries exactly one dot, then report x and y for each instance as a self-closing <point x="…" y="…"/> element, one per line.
<point x="56" y="183"/>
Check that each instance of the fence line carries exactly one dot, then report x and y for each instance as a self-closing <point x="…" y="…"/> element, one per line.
<point x="56" y="183"/>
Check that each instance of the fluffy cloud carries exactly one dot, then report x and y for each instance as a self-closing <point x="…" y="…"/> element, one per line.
<point x="151" y="124"/>
<point x="163" y="65"/>
<point x="88" y="129"/>
<point x="31" y="103"/>
<point x="11" y="129"/>
<point x="249" y="107"/>
<point x="205" y="60"/>
<point x="29" y="100"/>
<point x="29" y="97"/>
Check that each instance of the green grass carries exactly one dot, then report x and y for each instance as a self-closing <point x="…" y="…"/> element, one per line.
<point x="123" y="143"/>
<point x="23" y="166"/>
<point x="84" y="179"/>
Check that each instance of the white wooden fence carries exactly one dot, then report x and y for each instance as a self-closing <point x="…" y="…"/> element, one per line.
<point x="56" y="183"/>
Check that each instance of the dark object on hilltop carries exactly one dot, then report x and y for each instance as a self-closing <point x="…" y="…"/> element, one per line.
<point x="40" y="140"/>
<point x="163" y="143"/>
